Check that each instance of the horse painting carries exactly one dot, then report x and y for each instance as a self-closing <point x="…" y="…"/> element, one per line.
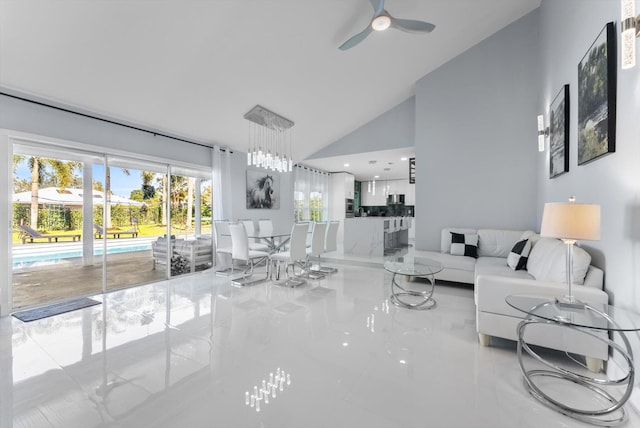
<point x="261" y="190"/>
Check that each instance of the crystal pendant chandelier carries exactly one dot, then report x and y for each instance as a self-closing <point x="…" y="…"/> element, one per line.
<point x="269" y="140"/>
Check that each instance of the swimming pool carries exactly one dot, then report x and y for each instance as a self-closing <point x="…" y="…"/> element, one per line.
<point x="53" y="258"/>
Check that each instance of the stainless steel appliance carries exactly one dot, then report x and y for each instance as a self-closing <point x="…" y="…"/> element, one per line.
<point x="348" y="208"/>
<point x="395" y="199"/>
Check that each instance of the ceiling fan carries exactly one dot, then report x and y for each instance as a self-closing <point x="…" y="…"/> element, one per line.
<point x="382" y="20"/>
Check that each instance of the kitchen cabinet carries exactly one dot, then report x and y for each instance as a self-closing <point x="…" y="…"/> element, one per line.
<point x="373" y="236"/>
<point x="349" y="185"/>
<point x="410" y="194"/>
<point x="399" y="187"/>
<point x="341" y="188"/>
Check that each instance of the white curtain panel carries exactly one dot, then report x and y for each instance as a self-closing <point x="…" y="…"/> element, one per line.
<point x="301" y="189"/>
<point x="221" y="183"/>
<point x="309" y="183"/>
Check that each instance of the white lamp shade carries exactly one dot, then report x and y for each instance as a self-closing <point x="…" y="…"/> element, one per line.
<point x="571" y="221"/>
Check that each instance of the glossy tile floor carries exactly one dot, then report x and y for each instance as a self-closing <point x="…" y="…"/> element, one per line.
<point x="185" y="353"/>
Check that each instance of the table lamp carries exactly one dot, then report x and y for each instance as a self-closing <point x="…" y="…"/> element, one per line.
<point x="570" y="222"/>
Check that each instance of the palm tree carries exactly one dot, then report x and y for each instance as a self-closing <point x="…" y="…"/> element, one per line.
<point x="19" y="184"/>
<point x="62" y="177"/>
<point x="190" y="187"/>
<point x="107" y="201"/>
<point x="165" y="184"/>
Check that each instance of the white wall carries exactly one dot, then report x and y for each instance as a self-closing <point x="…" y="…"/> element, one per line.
<point x="19" y="115"/>
<point x="394" y="129"/>
<point x="476" y="153"/>
<point x="282" y="218"/>
<point x="568" y="28"/>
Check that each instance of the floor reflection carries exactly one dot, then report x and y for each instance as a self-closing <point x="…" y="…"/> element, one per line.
<point x="196" y="351"/>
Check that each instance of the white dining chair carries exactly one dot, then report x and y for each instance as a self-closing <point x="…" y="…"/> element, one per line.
<point x="312" y="226"/>
<point x="240" y="251"/>
<point x="316" y="249"/>
<point x="223" y="247"/>
<point x="250" y="228"/>
<point x="265" y="226"/>
<point x="330" y="245"/>
<point x="296" y="255"/>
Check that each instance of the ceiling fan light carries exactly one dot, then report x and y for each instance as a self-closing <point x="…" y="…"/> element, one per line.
<point x="381" y="23"/>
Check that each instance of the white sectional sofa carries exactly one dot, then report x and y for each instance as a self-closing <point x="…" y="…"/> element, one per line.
<point x="494" y="280"/>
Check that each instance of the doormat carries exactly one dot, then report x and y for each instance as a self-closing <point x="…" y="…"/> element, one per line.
<point x="57" y="309"/>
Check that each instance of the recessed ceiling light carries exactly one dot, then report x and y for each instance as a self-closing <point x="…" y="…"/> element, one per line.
<point x="376" y="176"/>
<point x="403" y="158"/>
<point x="346" y="165"/>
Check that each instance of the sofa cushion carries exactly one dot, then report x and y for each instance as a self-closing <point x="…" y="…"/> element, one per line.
<point x="445" y="237"/>
<point x="547" y="261"/>
<point x="497" y="266"/>
<point x="455" y="268"/>
<point x="497" y="243"/>
<point x="464" y="244"/>
<point x="517" y="258"/>
<point x="532" y="237"/>
<point x="455" y="262"/>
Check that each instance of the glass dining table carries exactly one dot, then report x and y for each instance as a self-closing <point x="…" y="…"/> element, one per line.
<point x="275" y="239"/>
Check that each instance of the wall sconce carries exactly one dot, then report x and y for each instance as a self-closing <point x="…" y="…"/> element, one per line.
<point x="542" y="132"/>
<point x="630" y="24"/>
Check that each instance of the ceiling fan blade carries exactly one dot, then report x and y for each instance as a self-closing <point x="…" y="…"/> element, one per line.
<point x="378" y="6"/>
<point x="412" y="26"/>
<point x="356" y="39"/>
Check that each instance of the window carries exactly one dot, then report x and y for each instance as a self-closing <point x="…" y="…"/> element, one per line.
<point x="311" y="195"/>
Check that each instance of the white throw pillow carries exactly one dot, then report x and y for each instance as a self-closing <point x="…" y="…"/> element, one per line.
<point x="464" y="244"/>
<point x="547" y="261"/>
<point x="517" y="258"/>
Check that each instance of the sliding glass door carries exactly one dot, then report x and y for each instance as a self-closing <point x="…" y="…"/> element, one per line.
<point x="190" y="214"/>
<point x="133" y="221"/>
<point x="53" y="211"/>
<point x="85" y="223"/>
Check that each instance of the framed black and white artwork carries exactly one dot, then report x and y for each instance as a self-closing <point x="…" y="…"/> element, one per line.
<point x="597" y="98"/>
<point x="263" y="189"/>
<point x="559" y="133"/>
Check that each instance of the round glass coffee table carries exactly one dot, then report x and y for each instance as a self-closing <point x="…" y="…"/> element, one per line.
<point x="593" y="320"/>
<point x="417" y="267"/>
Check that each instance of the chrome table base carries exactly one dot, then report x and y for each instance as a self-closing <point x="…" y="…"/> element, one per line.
<point x="425" y="298"/>
<point x="613" y="414"/>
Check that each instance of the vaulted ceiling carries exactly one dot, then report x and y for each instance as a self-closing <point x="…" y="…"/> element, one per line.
<point x="193" y="68"/>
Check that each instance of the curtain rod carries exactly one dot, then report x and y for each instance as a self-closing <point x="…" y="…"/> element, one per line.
<point x="312" y="169"/>
<point x="102" y="119"/>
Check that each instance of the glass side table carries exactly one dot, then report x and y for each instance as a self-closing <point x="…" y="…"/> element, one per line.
<point x="594" y="320"/>
<point x="417" y="267"/>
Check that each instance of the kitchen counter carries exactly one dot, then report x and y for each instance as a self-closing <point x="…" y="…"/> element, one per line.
<point x="372" y="236"/>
